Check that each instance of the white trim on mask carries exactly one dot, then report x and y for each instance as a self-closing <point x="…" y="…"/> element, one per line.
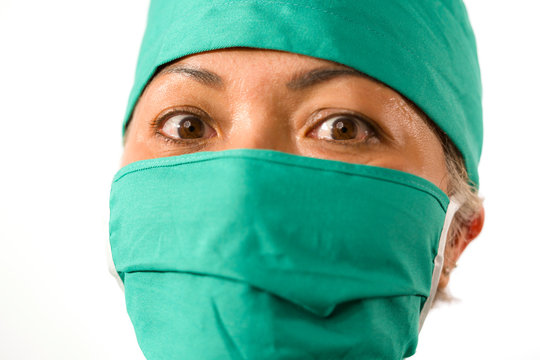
<point x="110" y="265"/>
<point x="451" y="210"/>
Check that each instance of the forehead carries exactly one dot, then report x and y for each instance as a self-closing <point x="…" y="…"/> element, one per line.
<point x="268" y="65"/>
<point x="239" y="61"/>
<point x="232" y="56"/>
<point x="236" y="64"/>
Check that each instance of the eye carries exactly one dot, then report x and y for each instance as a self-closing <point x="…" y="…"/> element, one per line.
<point x="343" y="127"/>
<point x="185" y="127"/>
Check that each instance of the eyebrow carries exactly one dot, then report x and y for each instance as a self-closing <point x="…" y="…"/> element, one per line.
<point x="299" y="81"/>
<point x="304" y="80"/>
<point x="203" y="76"/>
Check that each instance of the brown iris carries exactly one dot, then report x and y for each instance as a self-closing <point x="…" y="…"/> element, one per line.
<point x="190" y="127"/>
<point x="343" y="129"/>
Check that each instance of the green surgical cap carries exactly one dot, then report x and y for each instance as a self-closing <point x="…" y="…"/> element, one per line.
<point x="424" y="49"/>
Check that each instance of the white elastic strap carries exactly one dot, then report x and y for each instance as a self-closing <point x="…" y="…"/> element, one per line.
<point x="452" y="208"/>
<point x="110" y="265"/>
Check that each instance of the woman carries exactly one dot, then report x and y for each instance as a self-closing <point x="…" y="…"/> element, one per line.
<point x="292" y="172"/>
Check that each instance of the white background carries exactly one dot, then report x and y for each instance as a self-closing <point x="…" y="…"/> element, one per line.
<point x="66" y="68"/>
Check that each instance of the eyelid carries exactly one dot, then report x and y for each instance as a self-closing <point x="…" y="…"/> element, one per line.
<point x="166" y="114"/>
<point x="159" y="121"/>
<point x="320" y="117"/>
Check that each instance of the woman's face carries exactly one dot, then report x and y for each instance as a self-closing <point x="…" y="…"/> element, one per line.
<point x="264" y="99"/>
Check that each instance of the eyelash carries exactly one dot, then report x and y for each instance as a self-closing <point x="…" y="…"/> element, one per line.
<point x="159" y="121"/>
<point x="369" y="123"/>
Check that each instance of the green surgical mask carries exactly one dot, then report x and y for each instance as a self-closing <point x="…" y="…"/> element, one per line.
<point x="259" y="254"/>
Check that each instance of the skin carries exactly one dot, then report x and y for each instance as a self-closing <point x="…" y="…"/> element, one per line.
<point x="262" y="102"/>
<point x="454" y="249"/>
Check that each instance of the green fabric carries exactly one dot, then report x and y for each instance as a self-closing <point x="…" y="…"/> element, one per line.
<point x="259" y="254"/>
<point x="424" y="49"/>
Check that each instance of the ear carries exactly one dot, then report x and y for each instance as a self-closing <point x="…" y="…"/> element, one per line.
<point x="456" y="246"/>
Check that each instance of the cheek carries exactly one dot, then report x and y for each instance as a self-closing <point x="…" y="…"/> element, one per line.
<point x="140" y="143"/>
<point x="137" y="145"/>
<point x="133" y="152"/>
<point x="140" y="147"/>
<point x="417" y="148"/>
<point x="418" y="161"/>
<point x="427" y="160"/>
<point x="418" y="153"/>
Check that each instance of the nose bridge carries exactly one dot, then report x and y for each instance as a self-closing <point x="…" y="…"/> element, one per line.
<point x="260" y="125"/>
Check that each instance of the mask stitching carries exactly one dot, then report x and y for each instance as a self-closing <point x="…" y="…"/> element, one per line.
<point x="371" y="172"/>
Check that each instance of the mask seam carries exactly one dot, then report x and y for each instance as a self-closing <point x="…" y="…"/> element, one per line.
<point x="375" y="173"/>
<point x="251" y="283"/>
